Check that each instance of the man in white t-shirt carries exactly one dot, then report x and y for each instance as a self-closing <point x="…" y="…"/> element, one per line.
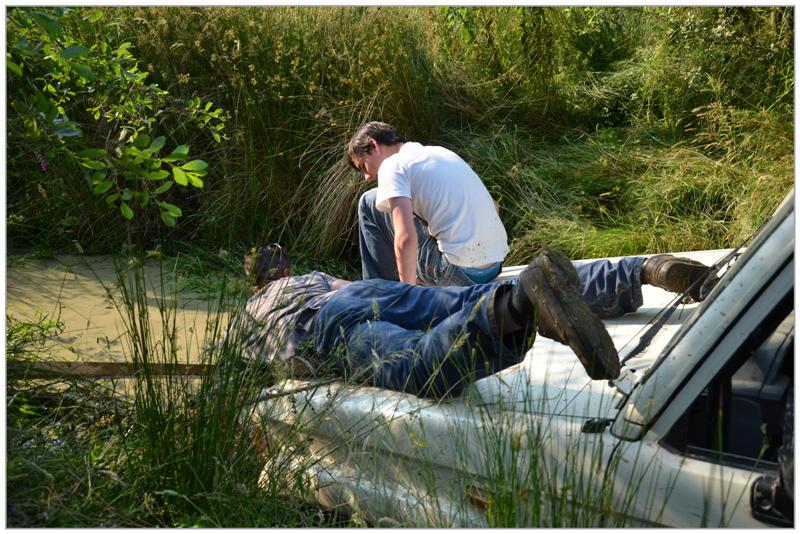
<point x="430" y="220"/>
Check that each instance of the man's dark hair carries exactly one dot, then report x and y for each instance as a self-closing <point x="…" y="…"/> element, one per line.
<point x="267" y="264"/>
<point x="381" y="132"/>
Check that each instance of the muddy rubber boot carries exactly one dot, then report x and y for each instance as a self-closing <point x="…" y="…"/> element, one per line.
<point x="551" y="282"/>
<point x="675" y="274"/>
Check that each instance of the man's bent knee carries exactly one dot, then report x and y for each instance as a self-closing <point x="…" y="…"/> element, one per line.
<point x="366" y="204"/>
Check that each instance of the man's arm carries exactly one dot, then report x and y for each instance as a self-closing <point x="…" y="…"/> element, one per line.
<point x="405" y="239"/>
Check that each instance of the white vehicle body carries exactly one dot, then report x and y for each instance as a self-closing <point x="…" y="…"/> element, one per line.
<point x="540" y="444"/>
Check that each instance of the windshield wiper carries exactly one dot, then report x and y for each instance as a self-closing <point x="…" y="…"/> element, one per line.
<point x="629" y="378"/>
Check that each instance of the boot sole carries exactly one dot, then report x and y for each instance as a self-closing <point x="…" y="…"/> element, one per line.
<point x="552" y="283"/>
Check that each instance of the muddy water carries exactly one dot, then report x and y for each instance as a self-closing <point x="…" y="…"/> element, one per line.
<point x="72" y="288"/>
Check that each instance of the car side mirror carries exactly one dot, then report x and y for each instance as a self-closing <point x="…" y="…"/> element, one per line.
<point x="770" y="503"/>
<point x="772" y="497"/>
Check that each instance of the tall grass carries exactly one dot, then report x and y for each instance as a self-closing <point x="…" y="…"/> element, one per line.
<point x="598" y="105"/>
<point x="155" y="449"/>
<point x="292" y="104"/>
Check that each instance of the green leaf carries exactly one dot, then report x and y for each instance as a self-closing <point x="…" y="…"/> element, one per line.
<point x="94" y="165"/>
<point x="157" y="143"/>
<point x="172" y="209"/>
<point x="42" y="103"/>
<point x="142" y="141"/>
<point x="74" y="51"/>
<point x="126" y="210"/>
<point x="24" y="46"/>
<point x="144" y="199"/>
<point x="196" y="182"/>
<point x="13" y="67"/>
<point x="47" y="22"/>
<point x="163" y="188"/>
<point x="127" y="194"/>
<point x="110" y="199"/>
<point x="122" y="50"/>
<point x="93" y="153"/>
<point x="102" y="187"/>
<point x="195" y="165"/>
<point x="180" y="152"/>
<point x="180" y="176"/>
<point x="95" y="16"/>
<point x="27" y="409"/>
<point x="157" y="175"/>
<point x="84" y="71"/>
<point x="168" y="219"/>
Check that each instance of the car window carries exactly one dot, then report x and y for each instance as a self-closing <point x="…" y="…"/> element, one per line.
<point x="738" y="418"/>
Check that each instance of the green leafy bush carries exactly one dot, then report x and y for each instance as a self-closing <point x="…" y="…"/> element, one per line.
<point x="83" y="106"/>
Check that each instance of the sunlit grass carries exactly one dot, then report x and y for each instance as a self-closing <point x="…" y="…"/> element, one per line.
<point x="155" y="449"/>
<point x="670" y="123"/>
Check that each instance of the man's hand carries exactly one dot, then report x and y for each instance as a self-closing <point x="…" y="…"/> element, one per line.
<point x="405" y="239"/>
<point x="339" y="283"/>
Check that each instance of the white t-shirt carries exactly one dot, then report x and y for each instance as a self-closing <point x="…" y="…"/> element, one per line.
<point x="447" y="194"/>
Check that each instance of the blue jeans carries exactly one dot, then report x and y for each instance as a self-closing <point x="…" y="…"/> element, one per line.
<point x="432" y="341"/>
<point x="376" y="245"/>
<point x="612" y="289"/>
<point x="429" y="341"/>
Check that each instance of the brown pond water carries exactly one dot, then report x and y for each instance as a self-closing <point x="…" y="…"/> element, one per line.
<point x="73" y="287"/>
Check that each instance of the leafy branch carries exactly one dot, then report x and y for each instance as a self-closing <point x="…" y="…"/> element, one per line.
<point x="91" y="105"/>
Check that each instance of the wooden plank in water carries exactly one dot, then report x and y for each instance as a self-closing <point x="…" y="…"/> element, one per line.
<point x="40" y="369"/>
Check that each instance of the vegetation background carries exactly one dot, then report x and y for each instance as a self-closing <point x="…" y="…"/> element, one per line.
<point x="205" y="131"/>
<point x="604" y="131"/>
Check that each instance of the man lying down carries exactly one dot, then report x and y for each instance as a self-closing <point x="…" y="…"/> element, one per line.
<point x="433" y="341"/>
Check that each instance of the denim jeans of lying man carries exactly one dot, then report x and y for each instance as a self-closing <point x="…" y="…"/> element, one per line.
<point x="433" y="341"/>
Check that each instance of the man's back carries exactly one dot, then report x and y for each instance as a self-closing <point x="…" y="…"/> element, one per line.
<point x="450" y="197"/>
<point x="275" y="321"/>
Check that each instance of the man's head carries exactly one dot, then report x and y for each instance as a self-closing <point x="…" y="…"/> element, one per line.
<point x="371" y="144"/>
<point x="266" y="264"/>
